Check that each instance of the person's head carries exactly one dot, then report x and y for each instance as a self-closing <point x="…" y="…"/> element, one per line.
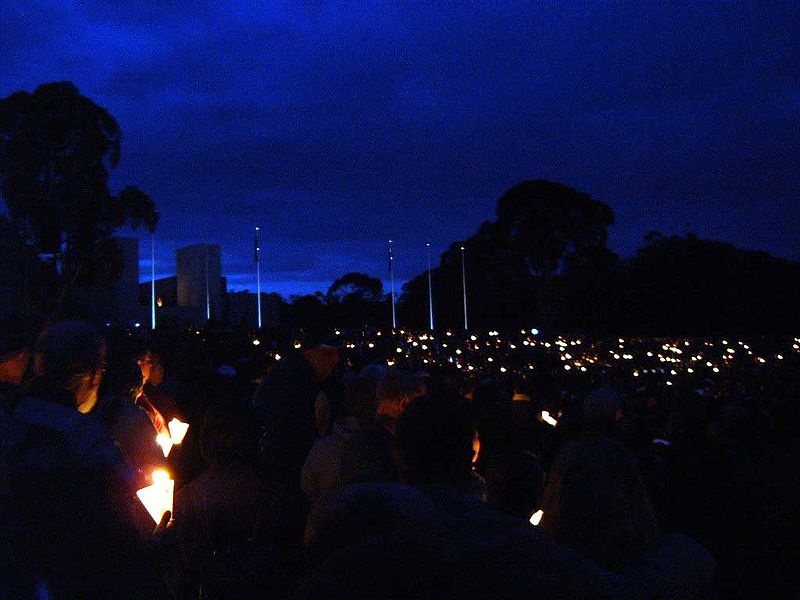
<point x="122" y="381"/>
<point x="147" y="364"/>
<point x="435" y="435"/>
<point x="17" y="340"/>
<point x="226" y="432"/>
<point x="396" y="390"/>
<point x="156" y="376"/>
<point x="359" y="399"/>
<point x="514" y="482"/>
<point x="596" y="503"/>
<point x="368" y="511"/>
<point x="602" y="407"/>
<point x="322" y="358"/>
<point x="72" y="354"/>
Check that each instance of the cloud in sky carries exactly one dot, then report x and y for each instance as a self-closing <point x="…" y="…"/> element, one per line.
<point x="337" y="126"/>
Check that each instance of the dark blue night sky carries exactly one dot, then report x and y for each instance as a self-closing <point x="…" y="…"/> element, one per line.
<point x="336" y="128"/>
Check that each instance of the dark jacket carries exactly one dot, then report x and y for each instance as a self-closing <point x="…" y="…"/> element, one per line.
<point x="67" y="505"/>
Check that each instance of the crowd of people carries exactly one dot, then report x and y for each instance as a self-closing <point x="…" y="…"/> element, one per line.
<point x="326" y="466"/>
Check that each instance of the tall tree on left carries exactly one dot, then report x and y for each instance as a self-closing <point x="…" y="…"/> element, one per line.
<point x="56" y="150"/>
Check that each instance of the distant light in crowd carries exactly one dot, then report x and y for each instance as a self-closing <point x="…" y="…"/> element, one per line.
<point x="548" y="419"/>
<point x="256" y="342"/>
<point x="536" y="518"/>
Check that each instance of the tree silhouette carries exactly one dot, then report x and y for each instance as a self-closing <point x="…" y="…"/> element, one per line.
<point x="355" y="287"/>
<point x="549" y="224"/>
<point x="56" y="149"/>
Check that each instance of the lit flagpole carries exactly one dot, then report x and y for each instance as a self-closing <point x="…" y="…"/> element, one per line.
<point x="391" y="279"/>
<point x="430" y="287"/>
<point x="153" y="281"/>
<point x="258" y="277"/>
<point x="208" y="295"/>
<point x="464" y="286"/>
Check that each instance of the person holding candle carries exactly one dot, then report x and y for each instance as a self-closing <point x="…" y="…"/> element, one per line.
<point x="67" y="506"/>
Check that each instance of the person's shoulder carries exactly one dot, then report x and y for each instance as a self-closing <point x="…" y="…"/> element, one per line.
<point x="678" y="567"/>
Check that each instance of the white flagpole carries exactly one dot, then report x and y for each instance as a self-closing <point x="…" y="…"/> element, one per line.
<point x="464" y="286"/>
<point x="430" y="287"/>
<point x="208" y="295"/>
<point x="258" y="278"/>
<point x="153" y="281"/>
<point x="391" y="279"/>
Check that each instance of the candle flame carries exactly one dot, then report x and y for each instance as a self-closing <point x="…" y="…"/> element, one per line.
<point x="177" y="430"/>
<point x="157" y="498"/>
<point x="163" y="440"/>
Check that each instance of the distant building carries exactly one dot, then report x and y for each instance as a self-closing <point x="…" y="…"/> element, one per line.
<point x="117" y="303"/>
<point x="199" y="280"/>
<point x="166" y="293"/>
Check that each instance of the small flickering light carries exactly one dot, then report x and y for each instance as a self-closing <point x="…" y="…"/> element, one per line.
<point x="298" y="345"/>
<point x="715" y="369"/>
<point x="536" y="518"/>
<point x="567" y="367"/>
<point x="277" y="357"/>
<point x="780" y="357"/>
<point x="503" y="369"/>
<point x="690" y="370"/>
<point x="256" y="342"/>
<point x="399" y="350"/>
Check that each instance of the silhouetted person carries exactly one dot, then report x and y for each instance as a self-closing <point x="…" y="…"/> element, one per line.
<point x="17" y="339"/>
<point x="322" y="471"/>
<point x="595" y="503"/>
<point x="228" y="519"/>
<point x="67" y="496"/>
<point x="372" y="541"/>
<point x="126" y="422"/>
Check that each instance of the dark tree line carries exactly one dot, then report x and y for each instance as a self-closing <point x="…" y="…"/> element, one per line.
<point x="542" y="262"/>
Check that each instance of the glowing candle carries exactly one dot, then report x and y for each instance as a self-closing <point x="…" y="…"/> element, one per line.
<point x="548" y="419"/>
<point x="177" y="430"/>
<point x="163" y="440"/>
<point x="536" y="517"/>
<point x="157" y="498"/>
